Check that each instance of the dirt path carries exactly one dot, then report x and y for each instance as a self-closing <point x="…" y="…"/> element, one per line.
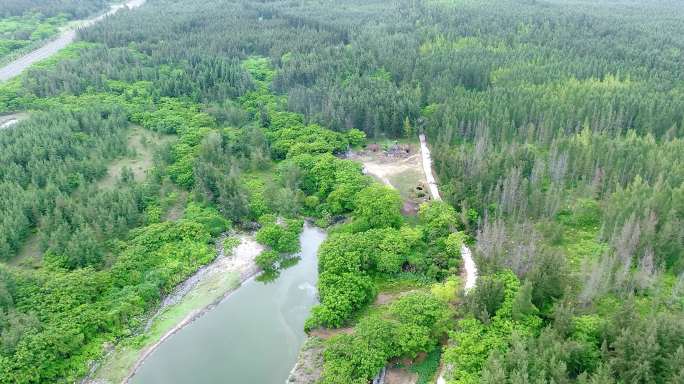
<point x="469" y="266"/>
<point x="427" y="168"/>
<point x="9" y="120"/>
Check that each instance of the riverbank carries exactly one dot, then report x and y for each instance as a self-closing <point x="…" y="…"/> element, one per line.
<point x="309" y="364"/>
<point x="189" y="301"/>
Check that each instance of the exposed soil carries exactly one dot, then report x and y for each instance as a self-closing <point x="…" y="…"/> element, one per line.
<point x="400" y="169"/>
<point x="30" y="255"/>
<point x="400" y="376"/>
<point x="309" y="364"/>
<point x="178" y="208"/>
<point x="326" y="333"/>
<point x="385" y="298"/>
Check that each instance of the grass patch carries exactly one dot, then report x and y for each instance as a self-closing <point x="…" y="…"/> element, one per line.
<point x="402" y="282"/>
<point x="427" y="369"/>
<point x="581" y="244"/>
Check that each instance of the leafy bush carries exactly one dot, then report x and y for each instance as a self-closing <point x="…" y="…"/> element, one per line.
<point x="377" y="206"/>
<point x="209" y="217"/>
<point x="412" y="324"/>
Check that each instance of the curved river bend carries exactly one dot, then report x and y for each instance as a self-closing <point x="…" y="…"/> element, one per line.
<point x="252" y="337"/>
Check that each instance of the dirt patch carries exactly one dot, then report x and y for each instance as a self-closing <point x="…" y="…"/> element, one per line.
<point x="385" y="298"/>
<point x="401" y="170"/>
<point x="326" y="333"/>
<point x="178" y="208"/>
<point x="309" y="365"/>
<point x="143" y="144"/>
<point x="30" y="255"/>
<point x="8" y="121"/>
<point x="400" y="376"/>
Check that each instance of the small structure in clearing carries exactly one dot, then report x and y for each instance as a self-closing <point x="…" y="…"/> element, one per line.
<point x="398" y="166"/>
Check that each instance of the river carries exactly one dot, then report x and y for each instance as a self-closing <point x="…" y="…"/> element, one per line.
<point x="66" y="37"/>
<point x="253" y="336"/>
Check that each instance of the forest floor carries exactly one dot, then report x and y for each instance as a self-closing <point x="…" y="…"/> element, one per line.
<point x="142" y="143"/>
<point x="29" y="255"/>
<point x="177" y="209"/>
<point x="190" y="300"/>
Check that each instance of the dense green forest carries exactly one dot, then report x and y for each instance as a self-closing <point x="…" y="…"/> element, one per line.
<point x="557" y="130"/>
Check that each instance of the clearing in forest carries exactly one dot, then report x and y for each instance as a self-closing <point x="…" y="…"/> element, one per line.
<point x="398" y="165"/>
<point x="143" y="144"/>
<point x="30" y="255"/>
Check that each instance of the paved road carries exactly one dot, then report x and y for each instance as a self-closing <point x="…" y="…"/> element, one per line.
<point x="17" y="66"/>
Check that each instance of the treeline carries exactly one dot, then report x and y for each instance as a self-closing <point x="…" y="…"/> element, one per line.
<point x="76" y="9"/>
<point x="49" y="158"/>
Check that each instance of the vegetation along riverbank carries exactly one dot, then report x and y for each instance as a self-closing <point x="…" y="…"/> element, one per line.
<point x="554" y="131"/>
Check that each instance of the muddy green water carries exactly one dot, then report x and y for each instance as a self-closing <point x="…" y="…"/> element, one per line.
<point x="252" y="337"/>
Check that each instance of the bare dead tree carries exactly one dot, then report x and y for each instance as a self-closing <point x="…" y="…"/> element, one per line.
<point x="646" y="272"/>
<point x="625" y="244"/>
<point x="597" y="277"/>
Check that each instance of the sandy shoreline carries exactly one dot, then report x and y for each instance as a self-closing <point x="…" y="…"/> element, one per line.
<point x="209" y="286"/>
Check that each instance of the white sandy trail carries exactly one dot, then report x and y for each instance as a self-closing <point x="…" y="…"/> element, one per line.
<point x="468" y="261"/>
<point x="470" y="268"/>
<point x="8" y="123"/>
<point x="427" y="168"/>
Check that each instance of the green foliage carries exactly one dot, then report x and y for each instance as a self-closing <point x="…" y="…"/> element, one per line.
<point x="268" y="261"/>
<point x="556" y="129"/>
<point x="438" y="218"/>
<point x="260" y="68"/>
<point x="412" y="324"/>
<point x="209" y="217"/>
<point x="507" y="314"/>
<point x="282" y="238"/>
<point x="302" y="139"/>
<point x="427" y="369"/>
<point x="448" y="291"/>
<point x="78" y="310"/>
<point x="377" y="206"/>
<point x="356" y="138"/>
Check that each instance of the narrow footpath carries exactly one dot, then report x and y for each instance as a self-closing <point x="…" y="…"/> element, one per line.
<point x="468" y="262"/>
